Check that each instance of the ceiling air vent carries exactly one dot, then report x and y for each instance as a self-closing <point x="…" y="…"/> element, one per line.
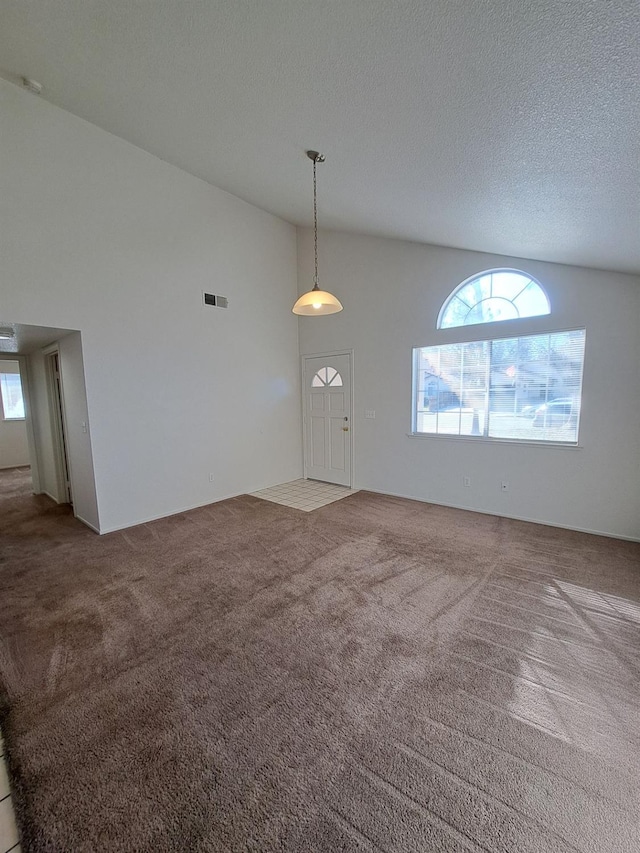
<point x="217" y="301"/>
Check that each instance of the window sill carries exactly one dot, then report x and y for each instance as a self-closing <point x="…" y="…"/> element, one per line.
<point x="565" y="445"/>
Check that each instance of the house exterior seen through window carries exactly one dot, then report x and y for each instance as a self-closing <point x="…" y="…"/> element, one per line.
<point x="519" y="388"/>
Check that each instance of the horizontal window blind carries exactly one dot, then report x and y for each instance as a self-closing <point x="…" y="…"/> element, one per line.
<point x="526" y="388"/>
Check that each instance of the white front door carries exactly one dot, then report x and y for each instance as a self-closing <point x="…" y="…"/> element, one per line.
<point x="327" y="418"/>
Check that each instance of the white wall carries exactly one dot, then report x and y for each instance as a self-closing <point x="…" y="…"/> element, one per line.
<point x="392" y="291"/>
<point x="14" y="449"/>
<point x="102" y="237"/>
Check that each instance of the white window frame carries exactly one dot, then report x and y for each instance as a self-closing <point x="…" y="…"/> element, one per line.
<point x="454" y="293"/>
<point x="6" y="417"/>
<point x="486" y="438"/>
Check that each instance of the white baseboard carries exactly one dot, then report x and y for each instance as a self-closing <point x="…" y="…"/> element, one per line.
<point x="505" y="515"/>
<point x="117" y="527"/>
<point x="114" y="529"/>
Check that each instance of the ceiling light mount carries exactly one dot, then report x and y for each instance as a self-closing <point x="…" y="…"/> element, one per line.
<point x="316" y="302"/>
<point x="32" y="85"/>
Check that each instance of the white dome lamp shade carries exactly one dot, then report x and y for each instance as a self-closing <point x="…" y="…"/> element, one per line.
<point x="316" y="302"/>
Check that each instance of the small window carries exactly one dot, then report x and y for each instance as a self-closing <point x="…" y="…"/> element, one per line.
<point x="526" y="388"/>
<point x="494" y="296"/>
<point x="11" y="391"/>
<point x="326" y="376"/>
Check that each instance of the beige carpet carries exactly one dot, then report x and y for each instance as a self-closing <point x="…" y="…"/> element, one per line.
<point x="376" y="675"/>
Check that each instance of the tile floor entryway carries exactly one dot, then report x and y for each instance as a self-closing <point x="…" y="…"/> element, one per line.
<point x="8" y="830"/>
<point x="306" y="495"/>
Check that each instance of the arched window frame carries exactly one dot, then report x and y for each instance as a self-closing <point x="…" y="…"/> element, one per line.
<point x="454" y="293"/>
<point x="323" y="378"/>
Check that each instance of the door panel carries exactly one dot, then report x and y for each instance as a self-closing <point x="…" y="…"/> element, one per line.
<point x="318" y="447"/>
<point x="337" y="444"/>
<point x="336" y="401"/>
<point x="327" y="416"/>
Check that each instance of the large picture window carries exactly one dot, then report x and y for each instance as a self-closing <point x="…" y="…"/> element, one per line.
<point x="521" y="388"/>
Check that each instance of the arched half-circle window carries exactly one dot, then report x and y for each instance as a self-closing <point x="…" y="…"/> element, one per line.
<point x="493" y="296"/>
<point x="326" y="376"/>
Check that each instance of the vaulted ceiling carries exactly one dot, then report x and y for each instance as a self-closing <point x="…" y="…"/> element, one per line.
<point x="507" y="126"/>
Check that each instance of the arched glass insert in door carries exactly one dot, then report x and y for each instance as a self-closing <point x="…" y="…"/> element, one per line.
<point x="326" y="376"/>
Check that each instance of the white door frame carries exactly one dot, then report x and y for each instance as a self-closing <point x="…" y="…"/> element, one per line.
<point x="59" y="429"/>
<point x="305" y="441"/>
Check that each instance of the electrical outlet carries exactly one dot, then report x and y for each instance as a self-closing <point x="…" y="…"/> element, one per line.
<point x="466" y="482"/>
<point x="504" y="486"/>
<point x="211" y="478"/>
<point x="369" y="413"/>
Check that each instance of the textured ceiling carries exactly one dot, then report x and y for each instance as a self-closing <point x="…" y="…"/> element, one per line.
<point x="508" y="126"/>
<point x="27" y="339"/>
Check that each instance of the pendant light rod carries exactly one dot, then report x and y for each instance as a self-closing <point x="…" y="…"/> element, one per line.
<point x="317" y="158"/>
<point x="316" y="302"/>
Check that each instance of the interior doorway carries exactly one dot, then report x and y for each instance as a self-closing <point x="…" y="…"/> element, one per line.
<point x="56" y="414"/>
<point x="327" y="381"/>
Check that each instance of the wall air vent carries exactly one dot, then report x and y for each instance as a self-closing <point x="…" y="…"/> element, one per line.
<point x="217" y="301"/>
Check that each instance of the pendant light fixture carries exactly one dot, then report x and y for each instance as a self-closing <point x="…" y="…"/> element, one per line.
<point x="316" y="302"/>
